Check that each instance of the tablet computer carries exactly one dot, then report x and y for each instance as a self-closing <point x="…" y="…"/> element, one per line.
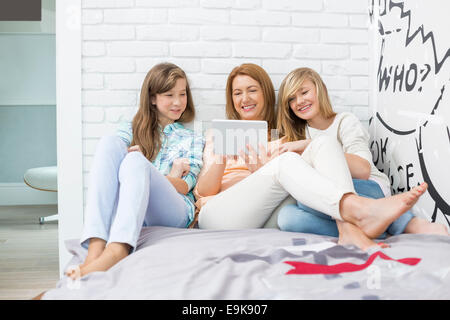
<point x="231" y="136"/>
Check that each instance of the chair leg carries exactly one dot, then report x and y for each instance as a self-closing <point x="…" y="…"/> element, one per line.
<point x="42" y="220"/>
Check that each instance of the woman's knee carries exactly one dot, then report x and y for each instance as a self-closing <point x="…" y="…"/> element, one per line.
<point x="288" y="158"/>
<point x="283" y="163"/>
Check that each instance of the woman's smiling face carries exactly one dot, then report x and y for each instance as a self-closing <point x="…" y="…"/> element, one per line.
<point x="248" y="97"/>
<point x="304" y="103"/>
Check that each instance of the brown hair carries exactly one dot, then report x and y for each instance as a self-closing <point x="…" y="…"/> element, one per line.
<point x="291" y="127"/>
<point x="259" y="74"/>
<point x="146" y="129"/>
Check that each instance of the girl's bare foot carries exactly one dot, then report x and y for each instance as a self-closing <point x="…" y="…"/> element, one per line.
<point x="73" y="272"/>
<point x="112" y="254"/>
<point x="351" y="234"/>
<point x="419" y="225"/>
<point x="95" y="249"/>
<point x="373" y="216"/>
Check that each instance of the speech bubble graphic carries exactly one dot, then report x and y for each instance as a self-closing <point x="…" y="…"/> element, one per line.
<point x="410" y="99"/>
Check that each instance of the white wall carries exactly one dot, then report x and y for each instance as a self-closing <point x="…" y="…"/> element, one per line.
<point x="122" y="40"/>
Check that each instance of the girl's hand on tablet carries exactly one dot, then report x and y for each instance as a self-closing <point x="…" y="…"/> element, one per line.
<point x="295" y="146"/>
<point x="255" y="160"/>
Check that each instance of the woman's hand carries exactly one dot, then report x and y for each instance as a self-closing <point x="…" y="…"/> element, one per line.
<point x="212" y="157"/>
<point x="255" y="160"/>
<point x="135" y="148"/>
<point x="295" y="146"/>
<point x="180" y="168"/>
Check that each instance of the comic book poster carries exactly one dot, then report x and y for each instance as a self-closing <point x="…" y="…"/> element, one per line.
<point x="410" y="99"/>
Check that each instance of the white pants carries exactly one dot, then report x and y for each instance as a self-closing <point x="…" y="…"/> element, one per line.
<point x="318" y="178"/>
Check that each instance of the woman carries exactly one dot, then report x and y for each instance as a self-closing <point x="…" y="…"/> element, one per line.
<point x="145" y="175"/>
<point x="305" y="114"/>
<point x="236" y="194"/>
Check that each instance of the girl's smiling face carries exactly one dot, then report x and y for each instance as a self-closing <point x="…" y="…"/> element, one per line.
<point x="171" y="104"/>
<point x="248" y="97"/>
<point x="304" y="103"/>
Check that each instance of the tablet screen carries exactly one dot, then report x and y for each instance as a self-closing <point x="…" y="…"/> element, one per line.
<point x="231" y="136"/>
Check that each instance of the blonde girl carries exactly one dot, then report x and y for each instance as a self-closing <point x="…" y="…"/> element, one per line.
<point x="304" y="115"/>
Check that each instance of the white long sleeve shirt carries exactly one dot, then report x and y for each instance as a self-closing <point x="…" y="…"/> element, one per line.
<point x="354" y="138"/>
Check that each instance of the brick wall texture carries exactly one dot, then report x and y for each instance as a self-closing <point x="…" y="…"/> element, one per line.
<point x="123" y="39"/>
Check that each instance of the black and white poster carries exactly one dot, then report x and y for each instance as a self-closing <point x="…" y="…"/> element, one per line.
<point x="410" y="99"/>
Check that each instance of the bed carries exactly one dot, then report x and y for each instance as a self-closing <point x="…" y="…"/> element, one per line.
<point x="264" y="264"/>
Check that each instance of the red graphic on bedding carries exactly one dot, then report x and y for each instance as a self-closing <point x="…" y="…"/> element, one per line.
<point x="312" y="268"/>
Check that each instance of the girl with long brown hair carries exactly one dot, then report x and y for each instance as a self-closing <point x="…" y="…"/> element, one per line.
<point x="144" y="175"/>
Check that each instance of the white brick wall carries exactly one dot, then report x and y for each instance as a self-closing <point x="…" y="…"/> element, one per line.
<point x="123" y="39"/>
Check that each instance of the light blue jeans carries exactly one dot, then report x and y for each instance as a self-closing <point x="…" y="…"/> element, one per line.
<point x="127" y="192"/>
<point x="300" y="218"/>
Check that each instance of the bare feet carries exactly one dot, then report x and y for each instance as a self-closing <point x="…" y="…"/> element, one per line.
<point x="351" y="234"/>
<point x="112" y="254"/>
<point x="373" y="216"/>
<point x="419" y="225"/>
<point x="74" y="272"/>
<point x="96" y="248"/>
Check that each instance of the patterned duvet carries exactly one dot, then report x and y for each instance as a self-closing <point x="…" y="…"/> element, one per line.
<point x="262" y="264"/>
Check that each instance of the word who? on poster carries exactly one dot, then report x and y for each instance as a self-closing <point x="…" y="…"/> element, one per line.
<point x="410" y="76"/>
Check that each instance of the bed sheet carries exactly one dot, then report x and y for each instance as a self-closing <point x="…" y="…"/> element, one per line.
<point x="261" y="264"/>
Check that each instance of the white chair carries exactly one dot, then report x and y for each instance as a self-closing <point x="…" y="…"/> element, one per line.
<point x="44" y="179"/>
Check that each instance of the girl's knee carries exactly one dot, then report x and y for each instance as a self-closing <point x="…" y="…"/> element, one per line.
<point x="134" y="163"/>
<point x="135" y="158"/>
<point x="368" y="189"/>
<point x="286" y="217"/>
<point x="111" y="144"/>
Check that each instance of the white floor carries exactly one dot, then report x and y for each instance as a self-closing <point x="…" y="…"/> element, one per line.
<point x="28" y="251"/>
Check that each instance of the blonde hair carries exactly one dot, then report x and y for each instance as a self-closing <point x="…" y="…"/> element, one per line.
<point x="291" y="127"/>
<point x="146" y="130"/>
<point x="259" y="74"/>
